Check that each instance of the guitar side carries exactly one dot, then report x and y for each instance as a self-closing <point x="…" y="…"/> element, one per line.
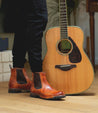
<point x="75" y="80"/>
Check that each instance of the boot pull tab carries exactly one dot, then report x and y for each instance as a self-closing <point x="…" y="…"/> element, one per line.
<point x="10" y="66"/>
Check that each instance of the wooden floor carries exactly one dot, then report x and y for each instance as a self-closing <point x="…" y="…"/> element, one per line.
<point x="86" y="102"/>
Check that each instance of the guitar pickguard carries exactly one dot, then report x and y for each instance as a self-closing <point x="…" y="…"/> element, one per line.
<point x="75" y="55"/>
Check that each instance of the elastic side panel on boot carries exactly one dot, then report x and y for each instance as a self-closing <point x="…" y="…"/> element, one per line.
<point x="37" y="81"/>
<point x="20" y="77"/>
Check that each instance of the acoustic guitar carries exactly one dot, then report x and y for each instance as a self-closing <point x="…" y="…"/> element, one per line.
<point x="66" y="64"/>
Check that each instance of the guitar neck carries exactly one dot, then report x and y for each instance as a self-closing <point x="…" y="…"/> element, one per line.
<point x="63" y="19"/>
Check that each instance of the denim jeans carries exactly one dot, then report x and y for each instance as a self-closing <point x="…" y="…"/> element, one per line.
<point x="31" y="23"/>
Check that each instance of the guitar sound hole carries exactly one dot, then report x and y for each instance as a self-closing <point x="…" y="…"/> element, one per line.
<point x="64" y="46"/>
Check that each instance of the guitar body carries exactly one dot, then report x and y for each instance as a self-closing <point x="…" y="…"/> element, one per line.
<point x="77" y="77"/>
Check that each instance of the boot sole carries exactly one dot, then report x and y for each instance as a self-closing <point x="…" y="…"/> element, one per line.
<point x="53" y="98"/>
<point x="18" y="91"/>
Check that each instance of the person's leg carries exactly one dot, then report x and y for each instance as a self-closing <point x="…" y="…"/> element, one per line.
<point x="19" y="49"/>
<point x="19" y="45"/>
<point x="19" y="80"/>
<point x="36" y="23"/>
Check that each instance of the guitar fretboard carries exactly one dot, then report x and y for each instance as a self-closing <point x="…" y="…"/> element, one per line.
<point x="63" y="19"/>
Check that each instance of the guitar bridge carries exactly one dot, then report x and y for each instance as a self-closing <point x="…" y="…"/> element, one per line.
<point x="65" y="67"/>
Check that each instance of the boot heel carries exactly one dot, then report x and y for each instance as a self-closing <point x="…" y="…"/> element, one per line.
<point x="34" y="95"/>
<point x="14" y="91"/>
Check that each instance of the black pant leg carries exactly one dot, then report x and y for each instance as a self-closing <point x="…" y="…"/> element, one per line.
<point x="20" y="45"/>
<point x="36" y="24"/>
<point x="19" y="49"/>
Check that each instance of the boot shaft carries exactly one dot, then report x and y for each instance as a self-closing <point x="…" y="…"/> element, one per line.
<point x="18" y="75"/>
<point x="19" y="79"/>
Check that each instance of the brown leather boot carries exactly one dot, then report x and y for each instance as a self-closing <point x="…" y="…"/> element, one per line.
<point x="41" y="88"/>
<point x="19" y="81"/>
